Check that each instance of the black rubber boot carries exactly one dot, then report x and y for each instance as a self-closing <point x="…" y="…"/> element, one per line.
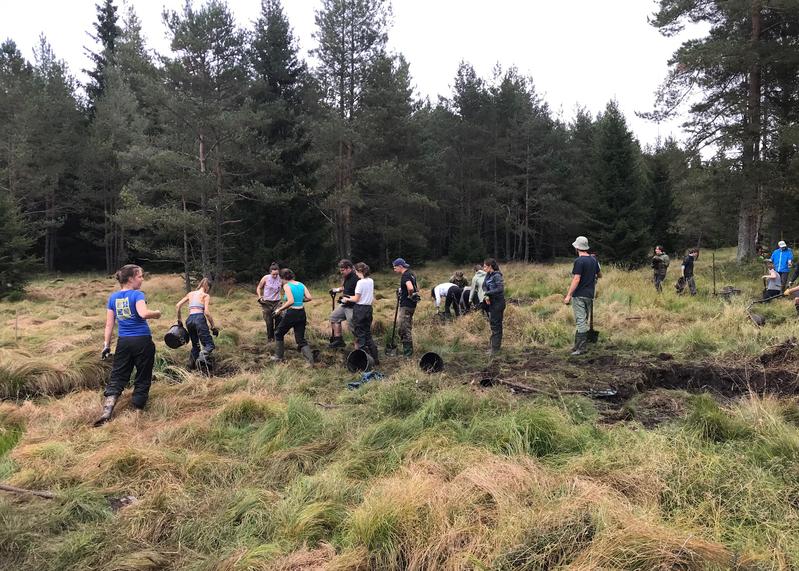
<point x="407" y="349"/>
<point x="278" y="356"/>
<point x="307" y="352"/>
<point x="580" y="344"/>
<point x="336" y="343"/>
<point x="108" y="409"/>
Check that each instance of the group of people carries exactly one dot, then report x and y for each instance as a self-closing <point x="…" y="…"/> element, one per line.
<point x="283" y="298"/>
<point x="660" y="264"/>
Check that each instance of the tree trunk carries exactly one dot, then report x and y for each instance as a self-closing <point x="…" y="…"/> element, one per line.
<point x="749" y="208"/>
<point x="186" y="276"/>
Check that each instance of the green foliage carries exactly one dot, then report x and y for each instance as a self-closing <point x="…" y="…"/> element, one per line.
<point x="707" y="420"/>
<point x="16" y="264"/>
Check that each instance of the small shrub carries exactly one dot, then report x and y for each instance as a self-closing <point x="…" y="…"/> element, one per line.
<point x="708" y="421"/>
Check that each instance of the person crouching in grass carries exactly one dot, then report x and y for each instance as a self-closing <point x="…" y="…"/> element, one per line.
<point x="135" y="348"/>
<point x="363" y="298"/>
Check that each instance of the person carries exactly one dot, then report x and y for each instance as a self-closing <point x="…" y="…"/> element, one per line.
<point x="135" y="348"/>
<point x="197" y="324"/>
<point x="466" y="295"/>
<point x="408" y="298"/>
<point x="344" y="311"/>
<point x="458" y="279"/>
<point x="295" y="294"/>
<point x="660" y="263"/>
<point x="268" y="291"/>
<point x="686" y="278"/>
<point x="782" y="258"/>
<point x="451" y="293"/>
<point x="363" y="298"/>
<point x="580" y="295"/>
<point x="478" y="294"/>
<point x="773" y="282"/>
<point x="494" y="298"/>
<point x="793" y="291"/>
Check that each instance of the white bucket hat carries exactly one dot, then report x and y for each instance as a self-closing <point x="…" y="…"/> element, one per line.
<point x="581" y="243"/>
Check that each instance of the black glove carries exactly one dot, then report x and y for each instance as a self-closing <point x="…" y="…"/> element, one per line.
<point x="215" y="331"/>
<point x="180" y="323"/>
<point x="105" y="354"/>
<point x="341" y="301"/>
<point x="416" y="296"/>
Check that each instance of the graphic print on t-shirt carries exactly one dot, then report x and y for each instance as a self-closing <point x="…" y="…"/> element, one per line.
<point x="123" y="309"/>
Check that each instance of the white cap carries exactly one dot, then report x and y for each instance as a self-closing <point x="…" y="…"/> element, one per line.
<point x="782" y="244"/>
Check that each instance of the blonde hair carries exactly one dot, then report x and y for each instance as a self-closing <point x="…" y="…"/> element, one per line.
<point x="205" y="285"/>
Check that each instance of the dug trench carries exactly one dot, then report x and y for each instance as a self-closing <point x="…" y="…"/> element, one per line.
<point x="643" y="388"/>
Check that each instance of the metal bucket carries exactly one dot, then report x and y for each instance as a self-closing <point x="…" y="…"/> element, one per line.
<point x="359" y="361"/>
<point x="176" y="336"/>
<point x="431" y="363"/>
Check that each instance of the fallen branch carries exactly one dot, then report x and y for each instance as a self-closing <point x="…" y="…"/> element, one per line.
<point x="325" y="405"/>
<point x="23" y="491"/>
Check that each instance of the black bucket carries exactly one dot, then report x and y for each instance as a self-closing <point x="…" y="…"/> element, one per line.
<point x="431" y="363"/>
<point x="176" y="336"/>
<point x="359" y="361"/>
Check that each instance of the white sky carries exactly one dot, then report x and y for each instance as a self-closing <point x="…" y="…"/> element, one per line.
<point x="578" y="52"/>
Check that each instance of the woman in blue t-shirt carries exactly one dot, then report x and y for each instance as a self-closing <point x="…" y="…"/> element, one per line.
<point x="294" y="296"/>
<point x="128" y="309"/>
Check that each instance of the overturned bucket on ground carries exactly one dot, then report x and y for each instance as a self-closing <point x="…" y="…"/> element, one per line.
<point x="431" y="363"/>
<point x="359" y="361"/>
<point x="176" y="336"/>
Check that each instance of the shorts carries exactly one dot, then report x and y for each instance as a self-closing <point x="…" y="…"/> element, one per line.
<point x="340" y="314"/>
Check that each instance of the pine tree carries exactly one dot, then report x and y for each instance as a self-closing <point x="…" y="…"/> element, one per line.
<point x="621" y="233"/>
<point x="15" y="243"/>
<point x="106" y="33"/>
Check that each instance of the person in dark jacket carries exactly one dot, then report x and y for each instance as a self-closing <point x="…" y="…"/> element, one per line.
<point x="660" y="263"/>
<point x="581" y="291"/>
<point x="344" y="311"/>
<point x="409" y="296"/>
<point x="494" y="288"/>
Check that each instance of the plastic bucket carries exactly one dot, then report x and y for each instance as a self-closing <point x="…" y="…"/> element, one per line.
<point x="431" y="363"/>
<point x="176" y="336"/>
<point x="359" y="361"/>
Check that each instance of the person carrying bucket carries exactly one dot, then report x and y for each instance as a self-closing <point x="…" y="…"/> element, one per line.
<point x="128" y="309"/>
<point x="363" y="298"/>
<point x="295" y="294"/>
<point x="202" y="344"/>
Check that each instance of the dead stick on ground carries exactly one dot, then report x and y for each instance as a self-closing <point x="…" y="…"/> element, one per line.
<point x="15" y="490"/>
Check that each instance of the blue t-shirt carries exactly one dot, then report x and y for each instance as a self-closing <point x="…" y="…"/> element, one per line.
<point x="123" y="304"/>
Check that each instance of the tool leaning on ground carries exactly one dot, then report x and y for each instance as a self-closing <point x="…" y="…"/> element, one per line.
<point x="593" y="334"/>
<point x="391" y="346"/>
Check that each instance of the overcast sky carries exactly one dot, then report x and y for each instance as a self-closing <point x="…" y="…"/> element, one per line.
<point x="578" y="52"/>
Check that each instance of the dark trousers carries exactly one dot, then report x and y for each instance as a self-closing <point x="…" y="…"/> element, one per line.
<point x="771" y="293"/>
<point x="197" y="326"/>
<point x="496" y="311"/>
<point x="660" y="277"/>
<point x="466" y="295"/>
<point x="362" y="327"/>
<point x="453" y="300"/>
<point x="136" y="351"/>
<point x="268" y="307"/>
<point x="784" y="279"/>
<point x="292" y="319"/>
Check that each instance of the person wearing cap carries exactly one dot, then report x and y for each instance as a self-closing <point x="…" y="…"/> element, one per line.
<point x="783" y="261"/>
<point x="581" y="292"/>
<point x="687" y="273"/>
<point x="660" y="263"/>
<point x="268" y="292"/>
<point x="408" y="293"/>
<point x="344" y="311"/>
<point x="494" y="291"/>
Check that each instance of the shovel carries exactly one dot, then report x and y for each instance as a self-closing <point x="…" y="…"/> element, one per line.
<point x="593" y="334"/>
<point x="333" y="303"/>
<point x="391" y="347"/>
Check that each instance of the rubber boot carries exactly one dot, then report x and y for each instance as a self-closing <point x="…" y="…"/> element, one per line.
<point x="336" y="343"/>
<point x="192" y="362"/>
<point x="580" y="344"/>
<point x="373" y="353"/>
<point x="407" y="349"/>
<point x="278" y="356"/>
<point x="307" y="352"/>
<point x="108" y="408"/>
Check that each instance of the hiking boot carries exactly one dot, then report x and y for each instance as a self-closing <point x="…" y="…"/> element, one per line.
<point x="278" y="356"/>
<point x="580" y="344"/>
<point x="108" y="408"/>
<point x="307" y="352"/>
<point x="407" y="349"/>
<point x="336" y="343"/>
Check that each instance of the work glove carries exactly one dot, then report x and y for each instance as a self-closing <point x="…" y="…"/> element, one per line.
<point x="215" y="331"/>
<point x="276" y="313"/>
<point x="106" y="353"/>
<point x="332" y="291"/>
<point x="399" y="292"/>
<point x="415" y="296"/>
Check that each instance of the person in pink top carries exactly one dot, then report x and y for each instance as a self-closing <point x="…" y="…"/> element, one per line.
<point x="268" y="290"/>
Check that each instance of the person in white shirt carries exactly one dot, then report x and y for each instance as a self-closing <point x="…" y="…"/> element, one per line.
<point x="451" y="293"/>
<point x="362" y="311"/>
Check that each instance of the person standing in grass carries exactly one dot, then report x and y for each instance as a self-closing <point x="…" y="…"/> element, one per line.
<point x="295" y="294"/>
<point x="135" y="348"/>
<point x="408" y="298"/>
<point x="580" y="295"/>
<point x="202" y="344"/>
<point x="494" y="298"/>
<point x="477" y="298"/>
<point x="782" y="258"/>
<point x="687" y="273"/>
<point x="268" y="291"/>
<point x="363" y="298"/>
<point x="344" y="311"/>
<point x="660" y="263"/>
